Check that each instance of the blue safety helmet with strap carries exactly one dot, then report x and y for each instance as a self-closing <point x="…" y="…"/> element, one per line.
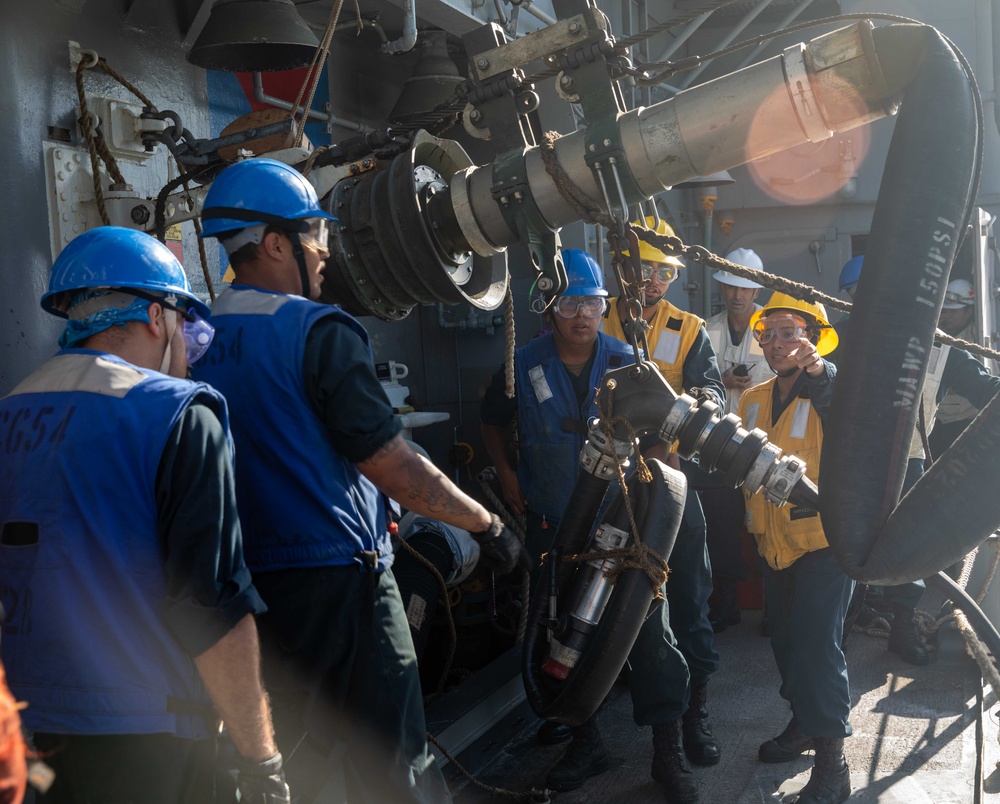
<point x="584" y="275"/>
<point x="113" y="257"/>
<point x="263" y="192"/>
<point x="850" y="274"/>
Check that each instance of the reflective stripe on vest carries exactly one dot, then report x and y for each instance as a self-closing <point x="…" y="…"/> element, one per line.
<point x="552" y="425"/>
<point x="670" y="336"/>
<point x="301" y="503"/>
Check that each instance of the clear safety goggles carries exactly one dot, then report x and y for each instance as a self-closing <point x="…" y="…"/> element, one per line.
<point x="570" y="306"/>
<point x="198" y="334"/>
<point x="196" y="331"/>
<point x="783" y="327"/>
<point x="317" y="236"/>
<point x="958" y="298"/>
<point x="663" y="272"/>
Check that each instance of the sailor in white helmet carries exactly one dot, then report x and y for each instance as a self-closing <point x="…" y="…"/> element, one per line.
<point x="741" y="359"/>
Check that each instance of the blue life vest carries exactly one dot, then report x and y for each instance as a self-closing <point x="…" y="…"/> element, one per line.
<point x="81" y="561"/>
<point x="552" y="425"/>
<point x="301" y="503"/>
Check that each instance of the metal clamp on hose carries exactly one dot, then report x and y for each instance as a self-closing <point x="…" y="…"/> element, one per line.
<point x="678" y="412"/>
<point x="721" y="443"/>
<point x="782" y="479"/>
<point x="601" y="456"/>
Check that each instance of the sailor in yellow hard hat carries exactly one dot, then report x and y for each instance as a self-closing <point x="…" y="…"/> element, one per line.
<point x="805" y="590"/>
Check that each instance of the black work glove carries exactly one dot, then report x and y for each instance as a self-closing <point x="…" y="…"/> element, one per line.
<point x="499" y="549"/>
<point x="262" y="782"/>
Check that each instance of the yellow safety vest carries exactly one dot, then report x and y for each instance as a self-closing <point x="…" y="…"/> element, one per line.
<point x="784" y="534"/>
<point x="670" y="336"/>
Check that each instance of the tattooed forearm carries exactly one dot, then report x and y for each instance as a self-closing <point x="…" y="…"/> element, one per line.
<point x="418" y="485"/>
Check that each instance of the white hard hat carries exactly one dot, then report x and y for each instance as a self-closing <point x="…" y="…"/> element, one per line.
<point x="958" y="295"/>
<point x="745" y="257"/>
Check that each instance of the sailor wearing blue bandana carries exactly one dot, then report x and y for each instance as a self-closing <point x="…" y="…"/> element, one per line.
<point x="131" y="611"/>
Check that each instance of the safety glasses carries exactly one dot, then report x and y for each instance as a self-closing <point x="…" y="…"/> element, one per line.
<point x="317" y="236"/>
<point x="663" y="272"/>
<point x="569" y="306"/>
<point x="958" y="298"/>
<point x="198" y="334"/>
<point x="196" y="331"/>
<point x="783" y="327"/>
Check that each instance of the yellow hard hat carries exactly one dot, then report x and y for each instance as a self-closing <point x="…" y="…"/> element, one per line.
<point x="828" y="339"/>
<point x="650" y="253"/>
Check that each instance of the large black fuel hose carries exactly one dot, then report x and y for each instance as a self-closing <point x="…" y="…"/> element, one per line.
<point x="658" y="508"/>
<point x="924" y="204"/>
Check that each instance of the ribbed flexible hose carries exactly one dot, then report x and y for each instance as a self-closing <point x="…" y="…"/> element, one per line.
<point x="925" y="201"/>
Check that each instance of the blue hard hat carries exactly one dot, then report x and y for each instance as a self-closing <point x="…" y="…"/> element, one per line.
<point x="851" y="272"/>
<point x="259" y="191"/>
<point x="114" y="257"/>
<point x="584" y="274"/>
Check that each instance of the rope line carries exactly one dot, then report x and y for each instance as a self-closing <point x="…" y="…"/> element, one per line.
<point x="316" y="68"/>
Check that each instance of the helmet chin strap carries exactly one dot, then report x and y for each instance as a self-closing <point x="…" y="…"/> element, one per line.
<point x="300" y="258"/>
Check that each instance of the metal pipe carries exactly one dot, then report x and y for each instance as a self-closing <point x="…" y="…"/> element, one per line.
<point x="538" y="14"/>
<point x="995" y="30"/>
<point x="406" y="42"/>
<point x="343" y="26"/>
<point x="330" y="119"/>
<point x="501" y="14"/>
<point x="680" y="138"/>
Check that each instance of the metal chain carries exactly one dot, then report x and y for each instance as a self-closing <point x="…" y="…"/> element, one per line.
<point x="591" y="212"/>
<point x="799" y="290"/>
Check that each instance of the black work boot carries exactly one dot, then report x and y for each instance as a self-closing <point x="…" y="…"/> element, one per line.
<point x="670" y="768"/>
<point x="830" y="781"/>
<point x="585" y="757"/>
<point x="787" y="746"/>
<point x="903" y="638"/>
<point x="552" y="733"/>
<point x="700" y="744"/>
<point x="726" y="611"/>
